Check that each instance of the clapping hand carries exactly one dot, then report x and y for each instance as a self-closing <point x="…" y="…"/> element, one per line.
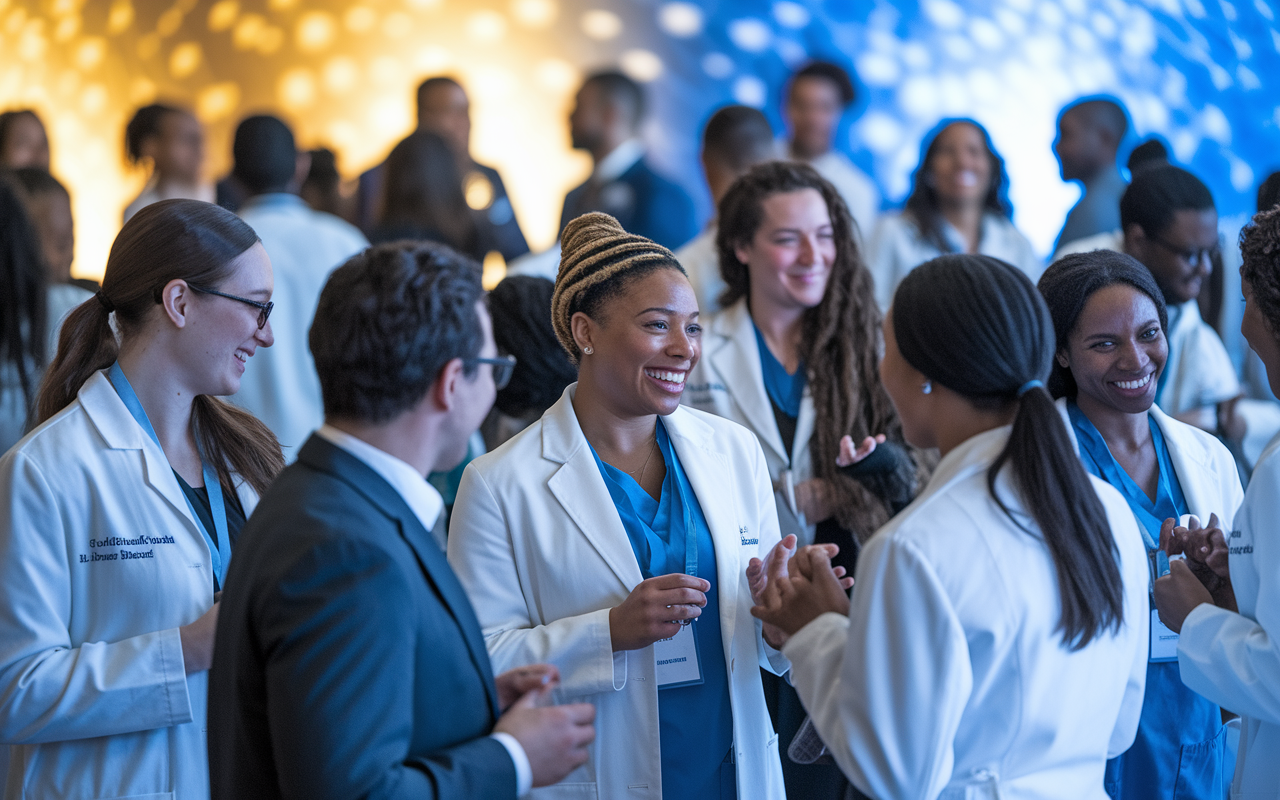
<point x="810" y="588"/>
<point x="1207" y="556"/>
<point x="774" y="567"/>
<point x="850" y="455"/>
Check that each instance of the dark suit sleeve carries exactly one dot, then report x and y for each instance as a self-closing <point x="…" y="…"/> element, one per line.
<point x="670" y="215"/>
<point x="339" y="637"/>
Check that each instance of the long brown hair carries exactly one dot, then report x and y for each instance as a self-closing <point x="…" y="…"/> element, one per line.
<point x="840" y="339"/>
<point x="170" y="240"/>
<point x="424" y="188"/>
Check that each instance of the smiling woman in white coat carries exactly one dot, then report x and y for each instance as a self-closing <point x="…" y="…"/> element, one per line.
<point x="589" y="538"/>
<point x="1110" y="320"/>
<point x="1229" y="638"/>
<point x="995" y="645"/>
<point x="119" y="512"/>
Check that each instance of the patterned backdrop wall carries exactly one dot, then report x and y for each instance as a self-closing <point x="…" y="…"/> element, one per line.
<point x="1202" y="74"/>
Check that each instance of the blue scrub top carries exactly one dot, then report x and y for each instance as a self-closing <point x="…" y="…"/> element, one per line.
<point x="785" y="389"/>
<point x="1180" y="749"/>
<point x="695" y="722"/>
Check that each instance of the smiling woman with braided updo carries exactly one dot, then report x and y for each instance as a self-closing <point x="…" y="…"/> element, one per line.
<point x="611" y="538"/>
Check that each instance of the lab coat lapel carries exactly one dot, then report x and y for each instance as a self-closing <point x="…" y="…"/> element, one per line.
<point x="580" y="490"/>
<point x="736" y="359"/>
<point x="1188" y="462"/>
<point x="804" y="432"/>
<point x="707" y="469"/>
<point x="321" y="454"/>
<point x="122" y="432"/>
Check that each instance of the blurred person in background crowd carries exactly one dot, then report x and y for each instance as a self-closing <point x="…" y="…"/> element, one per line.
<point x="423" y="198"/>
<point x="49" y="204"/>
<point x="167" y="141"/>
<point x="280" y="386"/>
<point x="818" y="96"/>
<point x="607" y="114"/>
<point x="735" y="139"/>
<point x="521" y="310"/>
<point x="444" y="109"/>
<point x="957" y="205"/>
<point x="1090" y="131"/>
<point x="322" y="189"/>
<point x="23" y="140"/>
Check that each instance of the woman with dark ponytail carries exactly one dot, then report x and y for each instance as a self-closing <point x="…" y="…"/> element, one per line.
<point x="119" y="513"/>
<point x="996" y="641"/>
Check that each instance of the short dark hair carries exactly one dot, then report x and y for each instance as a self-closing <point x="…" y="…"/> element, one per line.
<point x="1269" y="192"/>
<point x="1260" y="250"/>
<point x="1151" y="153"/>
<point x="1102" y="112"/>
<point x="1156" y="194"/>
<point x="621" y="91"/>
<point x="827" y="71"/>
<point x="36" y="182"/>
<point x="144" y="124"/>
<point x="434" y="82"/>
<point x="10" y="118"/>
<point x="737" y="136"/>
<point x="388" y="321"/>
<point x="1068" y="284"/>
<point x="265" y="154"/>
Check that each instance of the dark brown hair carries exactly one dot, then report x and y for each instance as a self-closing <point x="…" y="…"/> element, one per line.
<point x="923" y="205"/>
<point x="1260" y="249"/>
<point x="840" y="342"/>
<point x="169" y="240"/>
<point x="424" y="189"/>
<point x="23" y="287"/>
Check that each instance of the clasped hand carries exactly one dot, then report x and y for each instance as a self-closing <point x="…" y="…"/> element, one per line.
<point x="1202" y="577"/>
<point x="793" y="587"/>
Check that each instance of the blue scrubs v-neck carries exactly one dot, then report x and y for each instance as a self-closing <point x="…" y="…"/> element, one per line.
<point x="1180" y="748"/>
<point x="695" y="722"/>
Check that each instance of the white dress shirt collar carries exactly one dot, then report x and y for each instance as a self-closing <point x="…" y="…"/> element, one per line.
<point x="623" y="158"/>
<point x="421" y="497"/>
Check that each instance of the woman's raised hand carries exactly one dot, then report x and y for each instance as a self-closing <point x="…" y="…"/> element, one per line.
<point x="655" y="609"/>
<point x="1206" y="554"/>
<point x="812" y="588"/>
<point x="850" y="455"/>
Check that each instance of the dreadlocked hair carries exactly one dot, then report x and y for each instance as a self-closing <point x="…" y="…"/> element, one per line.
<point x="598" y="261"/>
<point x="840" y="343"/>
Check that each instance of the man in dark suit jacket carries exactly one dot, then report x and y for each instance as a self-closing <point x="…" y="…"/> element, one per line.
<point x="445" y="109"/>
<point x="349" y="662"/>
<point x="605" y="122"/>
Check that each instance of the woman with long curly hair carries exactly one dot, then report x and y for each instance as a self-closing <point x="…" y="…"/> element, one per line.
<point x="793" y="358"/>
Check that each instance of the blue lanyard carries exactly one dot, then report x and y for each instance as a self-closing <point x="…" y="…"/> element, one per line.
<point x="219" y="551"/>
<point x="686" y="505"/>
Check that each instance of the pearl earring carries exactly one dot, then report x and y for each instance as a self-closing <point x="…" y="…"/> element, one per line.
<point x="588" y="350"/>
<point x="926" y="387"/>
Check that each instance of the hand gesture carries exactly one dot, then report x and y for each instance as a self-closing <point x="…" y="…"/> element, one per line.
<point x="811" y="589"/>
<point x="516" y="683"/>
<point x="850" y="455"/>
<point x="555" y="739"/>
<point x="1177" y="593"/>
<point x="655" y="609"/>
<point x="774" y="567"/>
<point x="1207" y="555"/>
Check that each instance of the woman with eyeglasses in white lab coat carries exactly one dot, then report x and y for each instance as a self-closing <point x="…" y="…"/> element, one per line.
<point x="995" y="645"/>
<point x="120" y="511"/>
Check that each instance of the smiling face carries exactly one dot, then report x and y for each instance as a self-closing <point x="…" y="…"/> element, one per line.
<point x="1180" y="256"/>
<point x="644" y="342"/>
<point x="961" y="166"/>
<point x="222" y="334"/>
<point x="789" y="259"/>
<point x="1116" y="351"/>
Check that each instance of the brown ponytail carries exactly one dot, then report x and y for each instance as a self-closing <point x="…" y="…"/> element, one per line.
<point x="170" y="240"/>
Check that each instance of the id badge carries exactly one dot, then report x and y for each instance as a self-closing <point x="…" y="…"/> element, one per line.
<point x="677" y="660"/>
<point x="1164" y="642"/>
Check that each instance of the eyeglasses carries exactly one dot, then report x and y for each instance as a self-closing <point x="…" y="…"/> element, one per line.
<point x="1195" y="258"/>
<point x="503" y="366"/>
<point x="264" y="309"/>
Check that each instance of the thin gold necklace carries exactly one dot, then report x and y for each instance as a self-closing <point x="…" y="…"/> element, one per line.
<point x="647" y="458"/>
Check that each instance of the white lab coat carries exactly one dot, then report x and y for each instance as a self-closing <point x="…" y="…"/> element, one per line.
<point x="1206" y="471"/>
<point x="1234" y="659"/>
<point x="701" y="261"/>
<point x="896" y="247"/>
<point x="1199" y="373"/>
<point x="728" y="381"/>
<point x="538" y="544"/>
<point x="94" y="698"/>
<point x="949" y="677"/>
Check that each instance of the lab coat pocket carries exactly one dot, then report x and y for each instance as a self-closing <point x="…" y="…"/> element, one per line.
<point x="1202" y="769"/>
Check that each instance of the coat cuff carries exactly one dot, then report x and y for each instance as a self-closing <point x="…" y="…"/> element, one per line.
<point x="174" y="674"/>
